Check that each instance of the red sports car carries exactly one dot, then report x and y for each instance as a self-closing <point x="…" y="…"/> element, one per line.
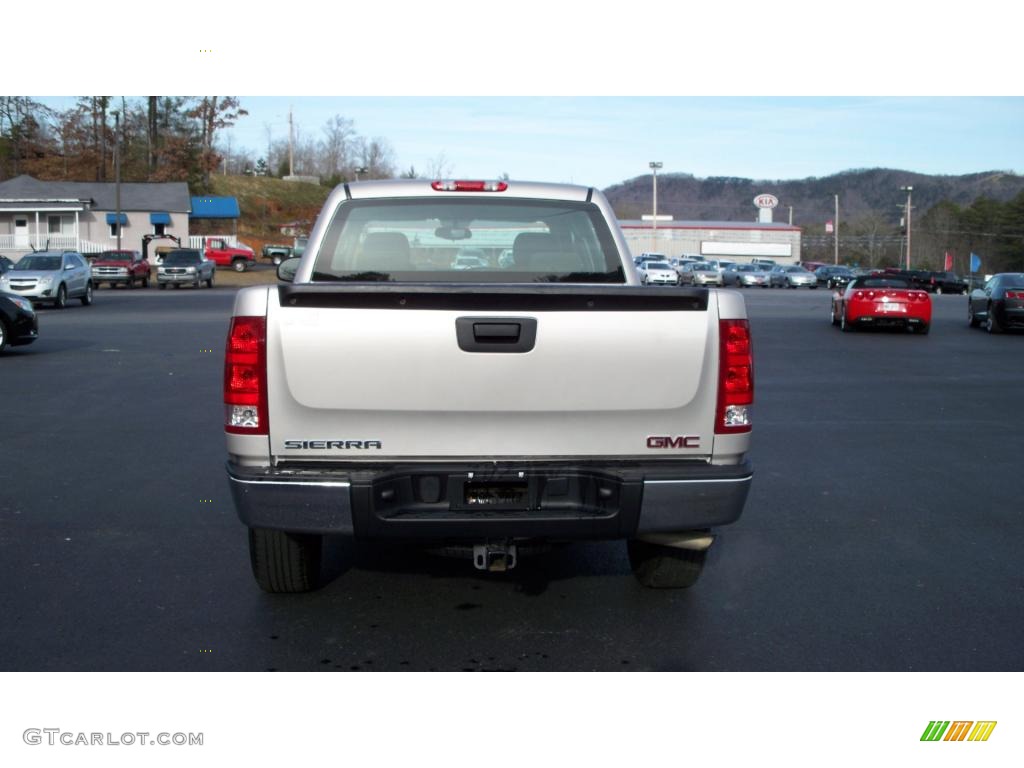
<point x="882" y="300"/>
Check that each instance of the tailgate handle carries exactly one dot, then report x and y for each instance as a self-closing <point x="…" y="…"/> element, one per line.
<point x="496" y="334"/>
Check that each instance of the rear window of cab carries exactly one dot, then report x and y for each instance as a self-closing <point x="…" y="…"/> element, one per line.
<point x="427" y="240"/>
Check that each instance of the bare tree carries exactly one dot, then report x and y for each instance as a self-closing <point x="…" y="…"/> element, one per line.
<point x="439" y="167"/>
<point x="875" y="227"/>
<point x="213" y="114"/>
<point x="339" y="134"/>
<point x="22" y="122"/>
<point x="377" y="157"/>
<point x="96" y="107"/>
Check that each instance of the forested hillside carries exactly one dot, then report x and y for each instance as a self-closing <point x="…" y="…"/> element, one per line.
<point x="980" y="212"/>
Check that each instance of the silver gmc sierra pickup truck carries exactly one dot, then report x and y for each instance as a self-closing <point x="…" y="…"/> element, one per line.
<point x="386" y="390"/>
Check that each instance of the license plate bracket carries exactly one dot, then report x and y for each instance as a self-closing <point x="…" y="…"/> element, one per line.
<point x="496" y="494"/>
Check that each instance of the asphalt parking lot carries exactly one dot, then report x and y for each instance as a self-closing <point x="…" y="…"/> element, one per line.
<point x="884" y="529"/>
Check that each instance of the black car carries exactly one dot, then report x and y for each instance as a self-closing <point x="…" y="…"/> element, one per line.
<point x="948" y="282"/>
<point x="1000" y="304"/>
<point x="920" y="279"/>
<point x="18" y="322"/>
<point x="834" y="277"/>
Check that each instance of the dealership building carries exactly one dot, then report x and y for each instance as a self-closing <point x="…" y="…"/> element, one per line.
<point x="734" y="240"/>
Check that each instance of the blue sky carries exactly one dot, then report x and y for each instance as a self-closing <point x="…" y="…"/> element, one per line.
<point x="604" y="140"/>
<point x="408" y="72"/>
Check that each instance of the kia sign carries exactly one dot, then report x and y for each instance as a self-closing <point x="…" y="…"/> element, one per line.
<point x="766" y="201"/>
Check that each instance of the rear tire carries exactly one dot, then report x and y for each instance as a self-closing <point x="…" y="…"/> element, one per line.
<point x="3" y="335"/>
<point x="844" y="326"/>
<point x="162" y="286"/>
<point x="87" y="298"/>
<point x="923" y="329"/>
<point x="239" y="265"/>
<point x="992" y="324"/>
<point x="285" y="562"/>
<point x="832" y="315"/>
<point x="62" y="297"/>
<point x="661" y="567"/>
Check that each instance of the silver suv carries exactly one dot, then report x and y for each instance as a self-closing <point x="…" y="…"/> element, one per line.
<point x="185" y="266"/>
<point x="50" y="277"/>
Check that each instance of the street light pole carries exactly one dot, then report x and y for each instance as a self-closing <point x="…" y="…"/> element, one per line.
<point x="654" y="166"/>
<point x="835" y="236"/>
<point x="291" y="143"/>
<point x="909" y="191"/>
<point x="117" y="177"/>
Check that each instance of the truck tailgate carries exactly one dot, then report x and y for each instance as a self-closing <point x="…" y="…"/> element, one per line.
<point x="373" y="372"/>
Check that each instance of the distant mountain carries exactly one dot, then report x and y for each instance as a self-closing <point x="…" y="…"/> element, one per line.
<point x="862" y="194"/>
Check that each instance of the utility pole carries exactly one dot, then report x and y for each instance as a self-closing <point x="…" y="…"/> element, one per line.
<point x="291" y="144"/>
<point x="117" y="177"/>
<point x="654" y="166"/>
<point x="835" y="236"/>
<point x="791" y="215"/>
<point x="909" y="191"/>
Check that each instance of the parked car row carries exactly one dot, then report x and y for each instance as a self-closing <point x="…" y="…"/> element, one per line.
<point x="890" y="299"/>
<point x="55" y="277"/>
<point x="177" y="267"/>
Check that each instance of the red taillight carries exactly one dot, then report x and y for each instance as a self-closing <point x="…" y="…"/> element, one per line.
<point x="919" y="296"/>
<point x="735" y="377"/>
<point x="468" y="186"/>
<point x="1015" y="294"/>
<point x="245" y="377"/>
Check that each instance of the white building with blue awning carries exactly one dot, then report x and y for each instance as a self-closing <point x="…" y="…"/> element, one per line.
<point x="83" y="216"/>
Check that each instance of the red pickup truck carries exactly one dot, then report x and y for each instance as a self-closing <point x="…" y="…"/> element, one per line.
<point x="120" y="268"/>
<point x="239" y="258"/>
